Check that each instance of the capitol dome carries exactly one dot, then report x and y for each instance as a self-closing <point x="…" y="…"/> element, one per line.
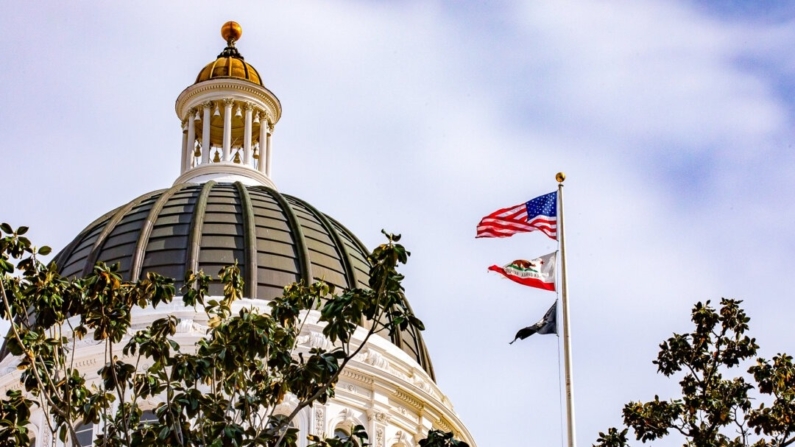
<point x="224" y="208"/>
<point x="275" y="238"/>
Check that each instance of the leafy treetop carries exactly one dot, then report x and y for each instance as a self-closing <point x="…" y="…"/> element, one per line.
<point x="222" y="392"/>
<point x="716" y="410"/>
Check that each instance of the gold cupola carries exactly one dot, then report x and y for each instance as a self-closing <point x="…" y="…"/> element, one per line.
<point x="230" y="63"/>
<point x="227" y="118"/>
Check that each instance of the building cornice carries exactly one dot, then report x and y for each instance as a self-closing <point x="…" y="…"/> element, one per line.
<point x="216" y="89"/>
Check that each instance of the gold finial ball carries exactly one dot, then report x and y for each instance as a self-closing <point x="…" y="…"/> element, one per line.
<point x="231" y="31"/>
<point x="560" y="177"/>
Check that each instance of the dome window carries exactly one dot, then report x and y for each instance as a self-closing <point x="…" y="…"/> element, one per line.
<point x="85" y="435"/>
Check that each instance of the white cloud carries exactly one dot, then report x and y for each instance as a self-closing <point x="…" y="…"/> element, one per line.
<point x="675" y="144"/>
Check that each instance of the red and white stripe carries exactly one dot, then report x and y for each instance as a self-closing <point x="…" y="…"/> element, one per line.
<point x="509" y="221"/>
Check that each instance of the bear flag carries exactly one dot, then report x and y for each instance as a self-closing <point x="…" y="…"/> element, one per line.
<point x="547" y="325"/>
<point x="539" y="272"/>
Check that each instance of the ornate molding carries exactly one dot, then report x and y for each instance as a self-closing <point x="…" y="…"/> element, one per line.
<point x="315" y="339"/>
<point x="86" y="362"/>
<point x="320" y="421"/>
<point x="407" y="398"/>
<point x="379" y="416"/>
<point x="357" y="376"/>
<point x="444" y="425"/>
<point x="379" y="437"/>
<point x="226" y="86"/>
<point x="372" y="357"/>
<point x="184" y="326"/>
<point x="13" y="386"/>
<point x="420" y="382"/>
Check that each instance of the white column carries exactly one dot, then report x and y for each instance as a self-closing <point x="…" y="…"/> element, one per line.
<point x="268" y="150"/>
<point x="191" y="138"/>
<point x="263" y="136"/>
<point x="227" y="129"/>
<point x="247" y="135"/>
<point x="206" y="133"/>
<point x="185" y="156"/>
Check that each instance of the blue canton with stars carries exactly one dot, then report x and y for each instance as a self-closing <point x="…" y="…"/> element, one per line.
<point x="546" y="205"/>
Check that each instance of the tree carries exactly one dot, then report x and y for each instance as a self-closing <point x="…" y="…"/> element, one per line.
<point x="224" y="393"/>
<point x="715" y="410"/>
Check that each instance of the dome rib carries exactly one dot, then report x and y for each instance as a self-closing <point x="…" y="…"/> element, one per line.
<point x="250" y="231"/>
<point x="246" y="74"/>
<point x="300" y="241"/>
<point x="64" y="254"/>
<point x="360" y="245"/>
<point x="195" y="234"/>
<point x="422" y="356"/>
<point x="344" y="256"/>
<point x="114" y="221"/>
<point x="146" y="231"/>
<point x="276" y="240"/>
<point x="229" y="66"/>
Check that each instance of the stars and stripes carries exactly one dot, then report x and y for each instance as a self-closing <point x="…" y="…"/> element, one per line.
<point x="539" y="214"/>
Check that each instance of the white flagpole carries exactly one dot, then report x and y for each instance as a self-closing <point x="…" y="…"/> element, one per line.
<point x="560" y="177"/>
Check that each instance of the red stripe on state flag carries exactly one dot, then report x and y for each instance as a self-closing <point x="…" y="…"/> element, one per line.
<point x="538" y="273"/>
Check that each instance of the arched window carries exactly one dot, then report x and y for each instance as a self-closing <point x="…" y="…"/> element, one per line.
<point x="85" y="435"/>
<point x="33" y="440"/>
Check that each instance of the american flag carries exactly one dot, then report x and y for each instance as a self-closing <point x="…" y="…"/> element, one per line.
<point x="539" y="214"/>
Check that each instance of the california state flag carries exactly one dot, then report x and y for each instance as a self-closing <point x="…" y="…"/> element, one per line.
<point x="539" y="272"/>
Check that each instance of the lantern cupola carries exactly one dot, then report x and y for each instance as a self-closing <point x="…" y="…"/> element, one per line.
<point x="227" y="119"/>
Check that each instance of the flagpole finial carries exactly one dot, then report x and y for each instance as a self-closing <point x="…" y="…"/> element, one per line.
<point x="560" y="177"/>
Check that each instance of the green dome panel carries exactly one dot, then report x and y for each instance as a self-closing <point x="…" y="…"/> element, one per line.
<point x="276" y="239"/>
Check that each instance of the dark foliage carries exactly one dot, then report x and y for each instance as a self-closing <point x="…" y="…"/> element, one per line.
<point x="716" y="409"/>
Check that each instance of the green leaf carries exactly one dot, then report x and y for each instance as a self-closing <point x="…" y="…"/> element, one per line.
<point x="6" y="266"/>
<point x="22" y="230"/>
<point x="6" y="228"/>
<point x="44" y="251"/>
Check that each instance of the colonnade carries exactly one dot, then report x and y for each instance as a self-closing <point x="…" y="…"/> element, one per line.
<point x="196" y="149"/>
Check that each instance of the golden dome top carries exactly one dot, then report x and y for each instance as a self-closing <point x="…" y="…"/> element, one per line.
<point x="229" y="67"/>
<point x="231" y="32"/>
<point x="230" y="63"/>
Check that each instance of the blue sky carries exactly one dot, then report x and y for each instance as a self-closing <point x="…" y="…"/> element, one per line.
<point x="673" y="121"/>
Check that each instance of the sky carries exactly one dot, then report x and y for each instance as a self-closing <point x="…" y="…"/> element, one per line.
<point x="673" y="121"/>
